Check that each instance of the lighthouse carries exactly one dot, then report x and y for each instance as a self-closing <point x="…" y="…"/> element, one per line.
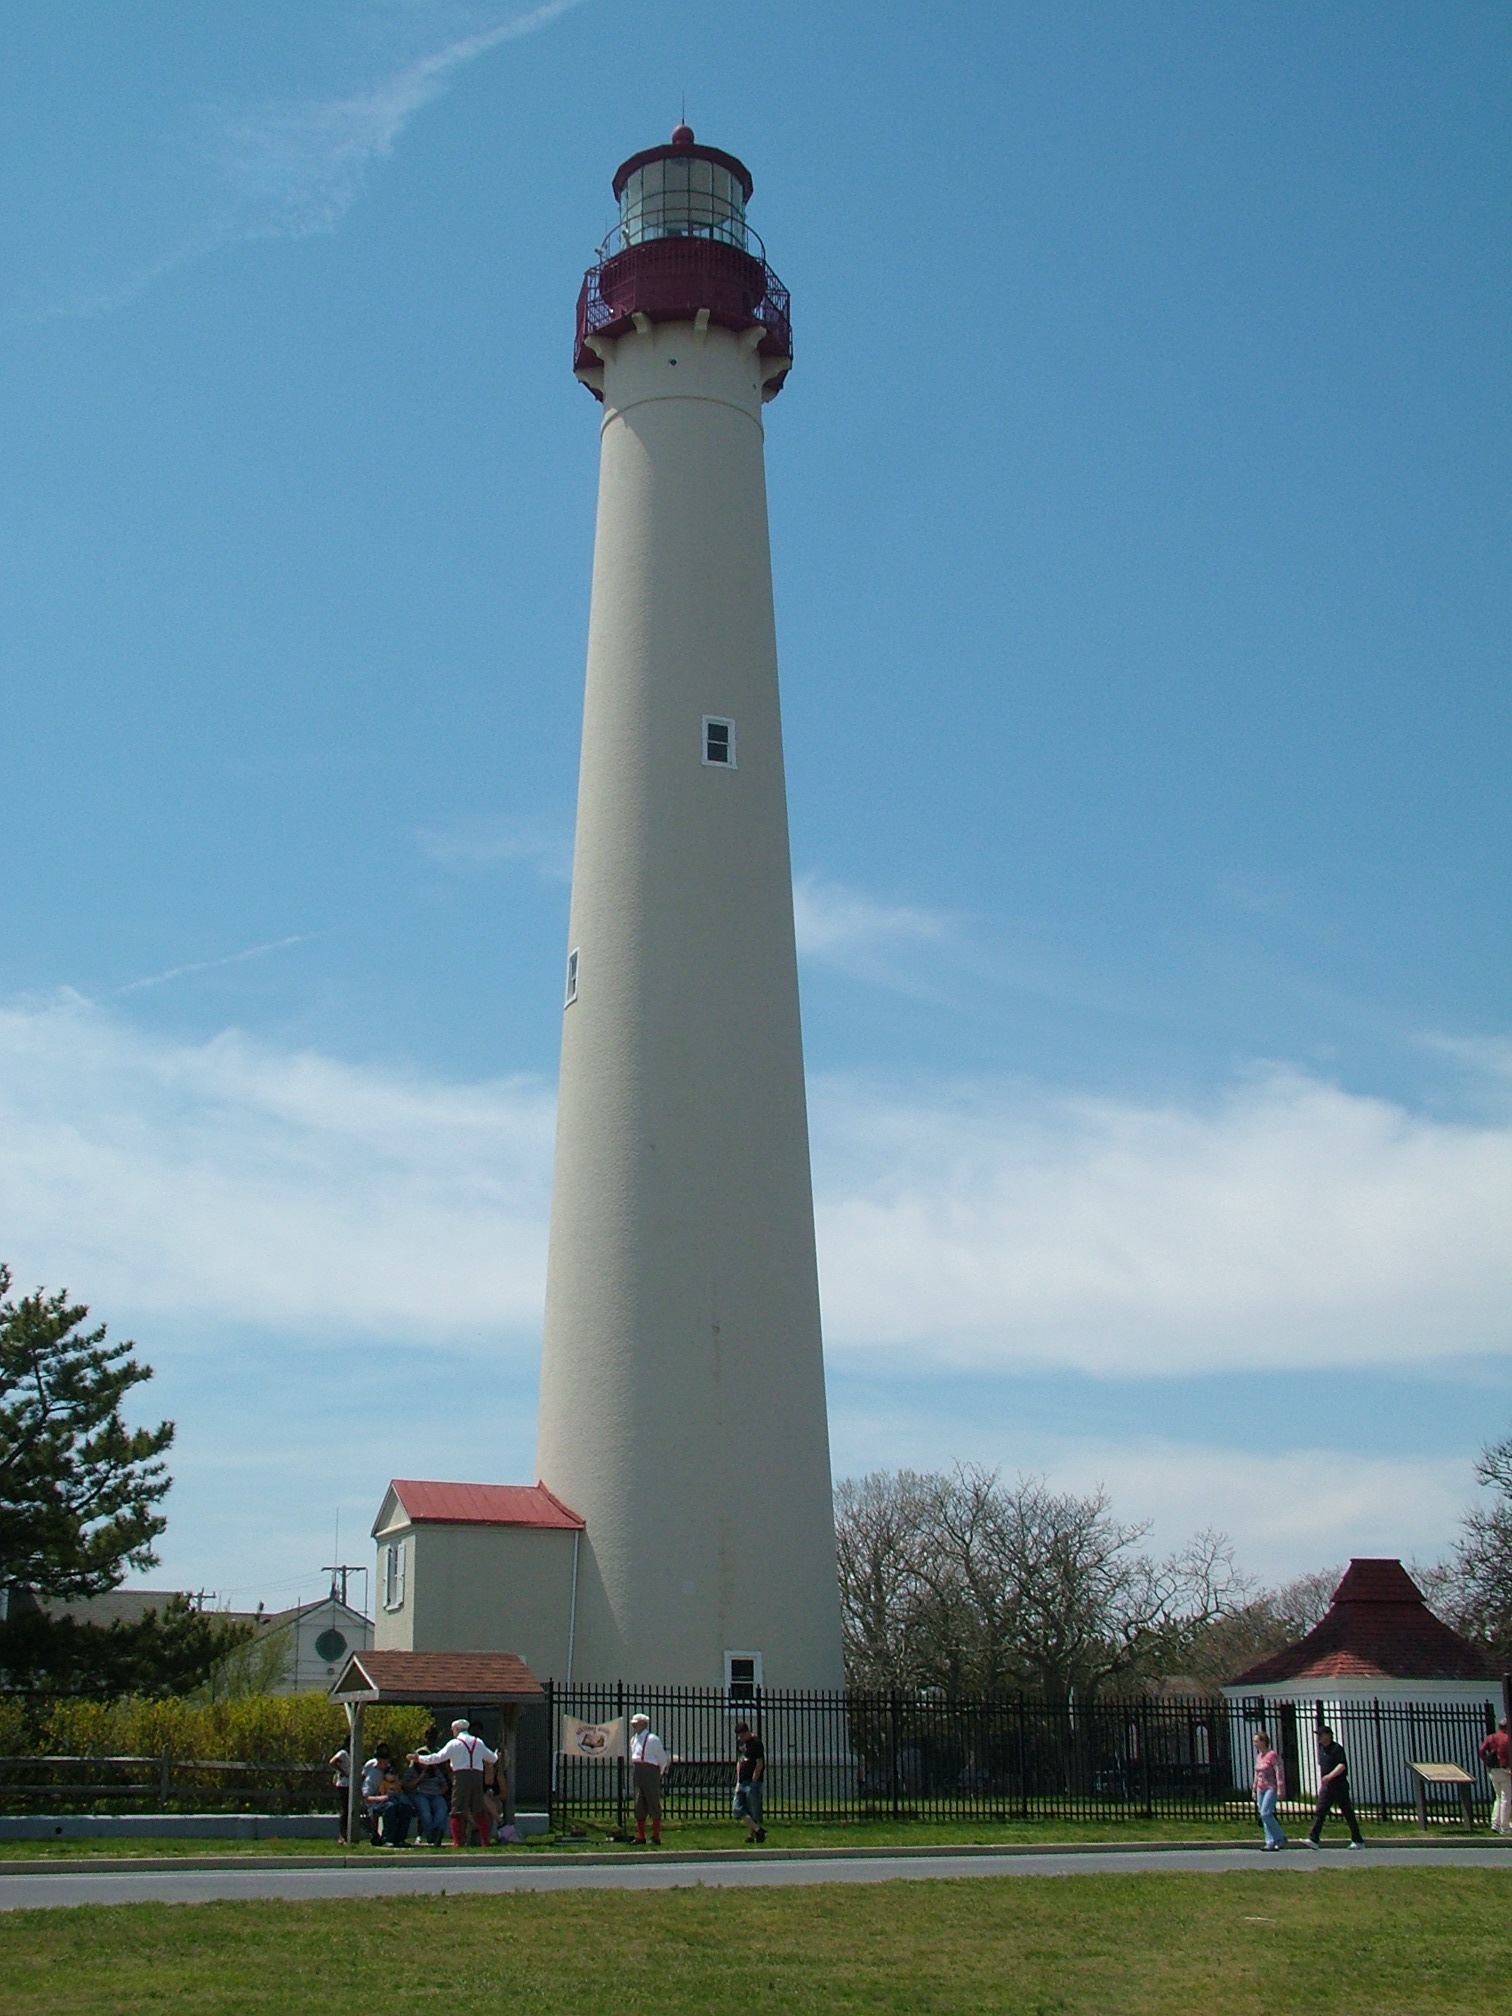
<point x="682" y="1410"/>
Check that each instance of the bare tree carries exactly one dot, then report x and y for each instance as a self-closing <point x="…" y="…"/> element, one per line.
<point x="1472" y="1589"/>
<point x="881" y="1538"/>
<point x="971" y="1585"/>
<point x="1266" y="1621"/>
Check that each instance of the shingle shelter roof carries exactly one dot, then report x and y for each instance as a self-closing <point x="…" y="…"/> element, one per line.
<point x="1377" y="1627"/>
<point x="480" y="1679"/>
<point x="483" y="1504"/>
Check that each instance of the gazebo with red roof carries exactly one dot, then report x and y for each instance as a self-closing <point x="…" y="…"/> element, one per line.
<point x="1378" y="1639"/>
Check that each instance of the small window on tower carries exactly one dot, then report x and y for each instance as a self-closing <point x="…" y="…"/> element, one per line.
<point x="742" y="1675"/>
<point x="572" y="973"/>
<point x="719" y="741"/>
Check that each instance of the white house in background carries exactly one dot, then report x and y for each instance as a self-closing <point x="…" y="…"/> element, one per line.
<point x="322" y="1636"/>
<point x="1378" y="1643"/>
<point x="319" y="1636"/>
<point x="478" y="1568"/>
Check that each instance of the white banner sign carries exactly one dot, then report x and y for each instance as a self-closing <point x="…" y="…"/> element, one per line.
<point x="593" y="1739"/>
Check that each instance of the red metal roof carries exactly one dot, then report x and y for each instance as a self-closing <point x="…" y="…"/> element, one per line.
<point x="1379" y="1628"/>
<point x="476" y="1678"/>
<point x="483" y="1504"/>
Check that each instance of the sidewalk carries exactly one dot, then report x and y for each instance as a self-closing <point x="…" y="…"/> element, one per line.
<point x="228" y="1877"/>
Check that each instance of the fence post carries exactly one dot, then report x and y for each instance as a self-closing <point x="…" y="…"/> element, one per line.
<point x="165" y="1774"/>
<point x="895" y="1758"/>
<point x="551" y="1738"/>
<point x="619" y="1763"/>
<point x="1144" y="1758"/>
<point x="1023" y="1736"/>
<point x="1382" y="1812"/>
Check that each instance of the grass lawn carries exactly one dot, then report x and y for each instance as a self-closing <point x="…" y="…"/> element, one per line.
<point x="1314" y="1938"/>
<point x="1241" y="1829"/>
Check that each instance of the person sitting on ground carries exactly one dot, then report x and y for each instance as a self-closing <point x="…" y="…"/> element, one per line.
<point x="750" y="1775"/>
<point x="388" y="1810"/>
<point x="467" y="1756"/>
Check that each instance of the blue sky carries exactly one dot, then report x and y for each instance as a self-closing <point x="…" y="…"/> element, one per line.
<point x="1139" y="510"/>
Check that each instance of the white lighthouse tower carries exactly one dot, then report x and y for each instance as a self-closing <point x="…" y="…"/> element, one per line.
<point x="682" y="1382"/>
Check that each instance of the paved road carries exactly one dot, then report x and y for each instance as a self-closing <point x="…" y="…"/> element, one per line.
<point x="467" y="1877"/>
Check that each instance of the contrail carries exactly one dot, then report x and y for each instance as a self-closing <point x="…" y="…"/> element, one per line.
<point x="205" y="965"/>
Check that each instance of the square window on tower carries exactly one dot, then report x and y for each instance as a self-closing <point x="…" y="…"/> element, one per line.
<point x="742" y="1675"/>
<point x="572" y="978"/>
<point x="719" y="741"/>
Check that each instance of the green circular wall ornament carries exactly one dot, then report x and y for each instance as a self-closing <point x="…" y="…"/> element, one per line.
<point x="330" y="1645"/>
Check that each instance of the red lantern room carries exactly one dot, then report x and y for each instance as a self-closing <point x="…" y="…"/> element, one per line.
<point x="681" y="249"/>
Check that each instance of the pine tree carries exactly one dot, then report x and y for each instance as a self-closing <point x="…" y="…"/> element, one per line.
<point x="79" y="1490"/>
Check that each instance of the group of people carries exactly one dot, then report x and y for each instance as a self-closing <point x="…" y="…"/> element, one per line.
<point x="1333" y="1787"/>
<point x="462" y="1781"/>
<point x="648" y="1765"/>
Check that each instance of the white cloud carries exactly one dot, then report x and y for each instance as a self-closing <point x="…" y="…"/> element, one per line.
<point x="235" y="1182"/>
<point x="242" y="1204"/>
<point x="878" y="942"/>
<point x="1487" y="1057"/>
<point x="1288" y="1510"/>
<point x="486" y="843"/>
<point x="1289" y="1223"/>
<point x="285" y="168"/>
<point x="294" y="170"/>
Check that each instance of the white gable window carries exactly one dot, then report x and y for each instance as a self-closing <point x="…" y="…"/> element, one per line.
<point x="742" y="1675"/>
<point x="572" y="977"/>
<point x="719" y="741"/>
<point x="393" y="1575"/>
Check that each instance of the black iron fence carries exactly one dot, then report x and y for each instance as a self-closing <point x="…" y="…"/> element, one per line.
<point x="878" y="1756"/>
<point x="871" y="1756"/>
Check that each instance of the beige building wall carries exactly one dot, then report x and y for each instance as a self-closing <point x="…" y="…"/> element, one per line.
<point x="479" y="1588"/>
<point x="682" y="1383"/>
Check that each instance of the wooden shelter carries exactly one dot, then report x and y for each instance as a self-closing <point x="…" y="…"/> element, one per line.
<point x="449" y="1684"/>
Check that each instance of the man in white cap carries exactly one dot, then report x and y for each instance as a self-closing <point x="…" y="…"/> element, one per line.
<point x="467" y="1755"/>
<point x="648" y="1760"/>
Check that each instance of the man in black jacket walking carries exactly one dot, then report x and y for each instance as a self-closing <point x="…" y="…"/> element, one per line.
<point x="1333" y="1790"/>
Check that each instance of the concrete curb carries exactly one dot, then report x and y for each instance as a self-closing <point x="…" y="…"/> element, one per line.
<point x="123" y="1865"/>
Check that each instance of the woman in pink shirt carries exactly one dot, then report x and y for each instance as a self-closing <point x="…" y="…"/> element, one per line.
<point x="1270" y="1785"/>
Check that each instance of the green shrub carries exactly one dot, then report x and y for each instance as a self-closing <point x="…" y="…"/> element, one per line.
<point x="245" y="1729"/>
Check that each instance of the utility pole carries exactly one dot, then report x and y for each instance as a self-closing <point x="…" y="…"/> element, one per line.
<point x="338" y="1572"/>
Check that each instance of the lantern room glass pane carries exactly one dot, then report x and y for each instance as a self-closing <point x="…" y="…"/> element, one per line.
<point x="682" y="198"/>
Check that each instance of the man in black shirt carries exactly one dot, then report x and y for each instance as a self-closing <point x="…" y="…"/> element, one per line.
<point x="1333" y="1790"/>
<point x="750" y="1774"/>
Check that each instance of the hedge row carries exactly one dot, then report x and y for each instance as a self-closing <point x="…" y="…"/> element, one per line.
<point x="252" y="1729"/>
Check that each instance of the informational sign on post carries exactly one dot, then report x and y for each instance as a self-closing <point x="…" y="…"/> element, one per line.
<point x="593" y="1739"/>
